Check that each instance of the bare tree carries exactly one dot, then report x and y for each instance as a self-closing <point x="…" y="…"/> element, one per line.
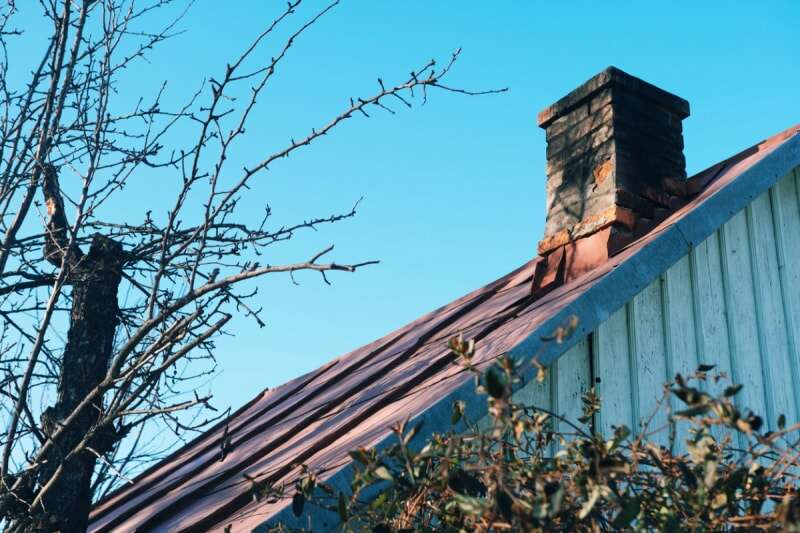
<point x="74" y="405"/>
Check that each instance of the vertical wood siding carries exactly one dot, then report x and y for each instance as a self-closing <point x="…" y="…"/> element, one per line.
<point x="734" y="302"/>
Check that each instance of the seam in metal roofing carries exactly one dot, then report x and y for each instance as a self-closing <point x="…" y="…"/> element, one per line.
<point x="353" y="400"/>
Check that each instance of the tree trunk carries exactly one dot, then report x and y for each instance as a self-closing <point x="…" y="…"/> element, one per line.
<point x="93" y="321"/>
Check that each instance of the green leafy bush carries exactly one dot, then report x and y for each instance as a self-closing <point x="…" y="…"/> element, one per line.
<point x="513" y="472"/>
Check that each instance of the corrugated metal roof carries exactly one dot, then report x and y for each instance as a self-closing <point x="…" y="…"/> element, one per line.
<point x="353" y="400"/>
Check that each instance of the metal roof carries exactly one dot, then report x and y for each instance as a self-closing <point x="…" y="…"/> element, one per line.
<point x="353" y="400"/>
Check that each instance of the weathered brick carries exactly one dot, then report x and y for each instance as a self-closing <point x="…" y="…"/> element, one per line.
<point x="626" y="102"/>
<point x="600" y="100"/>
<point x="615" y="78"/>
<point x="582" y="143"/>
<point x="568" y="120"/>
<point x="598" y="148"/>
<point x="579" y="129"/>
<point x="614" y="156"/>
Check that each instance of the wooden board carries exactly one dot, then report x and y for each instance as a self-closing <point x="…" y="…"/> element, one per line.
<point x="769" y="309"/>
<point x="678" y="315"/>
<point x="648" y="350"/>
<point x="572" y="381"/>
<point x="786" y="211"/>
<point x="740" y="304"/>
<point x="612" y="367"/>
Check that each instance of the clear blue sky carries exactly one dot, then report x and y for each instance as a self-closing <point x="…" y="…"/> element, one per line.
<point x="454" y="190"/>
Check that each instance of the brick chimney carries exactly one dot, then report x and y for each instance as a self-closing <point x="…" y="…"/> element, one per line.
<point x="615" y="169"/>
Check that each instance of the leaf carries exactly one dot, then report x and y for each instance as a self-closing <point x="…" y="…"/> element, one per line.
<point x="468" y="504"/>
<point x="672" y="525"/>
<point x="782" y="422"/>
<point x="307" y="484"/>
<point x="383" y="473"/>
<point x="694" y="411"/>
<point x="493" y="384"/>
<point x="458" y="412"/>
<point x="688" y="476"/>
<point x="743" y="425"/>
<point x="630" y="510"/>
<point x="719" y="501"/>
<point x="379" y="500"/>
<point x="620" y="434"/>
<point x="564" y="331"/>
<point x="690" y="395"/>
<point x="732" y="390"/>
<point x="706" y="368"/>
<point x="540" y="371"/>
<point x="711" y="474"/>
<point x="589" y="504"/>
<point x="298" y="501"/>
<point x="360" y="455"/>
<point x="465" y="483"/>
<point x="556" y="499"/>
<point x="412" y="432"/>
<point x="504" y="504"/>
<point x="755" y="422"/>
<point x="342" y="507"/>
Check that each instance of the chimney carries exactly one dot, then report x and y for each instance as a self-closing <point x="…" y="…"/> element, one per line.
<point x="615" y="169"/>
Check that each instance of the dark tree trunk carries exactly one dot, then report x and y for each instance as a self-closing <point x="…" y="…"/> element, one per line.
<point x="95" y="279"/>
<point x="93" y="321"/>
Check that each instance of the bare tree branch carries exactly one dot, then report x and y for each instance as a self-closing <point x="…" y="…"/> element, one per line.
<point x="107" y="327"/>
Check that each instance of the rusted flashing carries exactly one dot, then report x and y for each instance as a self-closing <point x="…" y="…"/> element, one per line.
<point x="549" y="272"/>
<point x="577" y="257"/>
<point x="615" y="214"/>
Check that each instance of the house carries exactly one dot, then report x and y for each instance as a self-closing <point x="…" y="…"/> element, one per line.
<point x="662" y="272"/>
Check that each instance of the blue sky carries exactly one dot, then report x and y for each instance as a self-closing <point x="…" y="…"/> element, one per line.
<point x="453" y="190"/>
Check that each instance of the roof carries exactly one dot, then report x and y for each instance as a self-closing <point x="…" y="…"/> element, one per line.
<point x="353" y="400"/>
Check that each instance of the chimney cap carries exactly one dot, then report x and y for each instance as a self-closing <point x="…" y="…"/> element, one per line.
<point x="612" y="76"/>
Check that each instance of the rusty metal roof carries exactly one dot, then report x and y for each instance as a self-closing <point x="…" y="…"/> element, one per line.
<point x="353" y="400"/>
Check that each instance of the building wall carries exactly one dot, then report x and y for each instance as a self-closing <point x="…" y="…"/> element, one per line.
<point x="734" y="302"/>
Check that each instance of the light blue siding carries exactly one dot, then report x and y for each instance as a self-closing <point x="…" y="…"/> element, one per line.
<point x="615" y="374"/>
<point x="571" y="381"/>
<point x="734" y="302"/>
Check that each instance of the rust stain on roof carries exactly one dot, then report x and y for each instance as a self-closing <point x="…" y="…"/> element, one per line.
<point x="352" y="401"/>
